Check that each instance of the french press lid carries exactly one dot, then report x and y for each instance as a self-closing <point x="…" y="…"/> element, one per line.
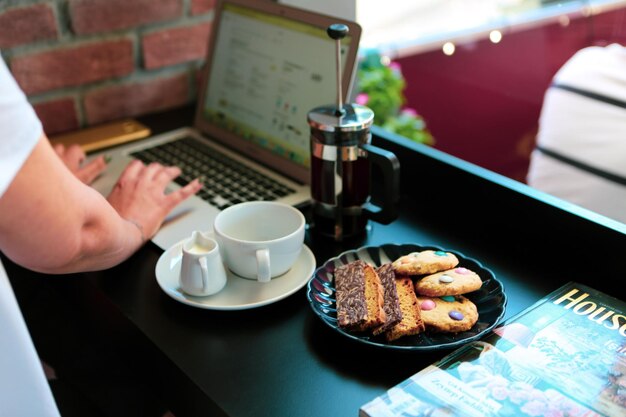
<point x="340" y="118"/>
<point x="353" y="118"/>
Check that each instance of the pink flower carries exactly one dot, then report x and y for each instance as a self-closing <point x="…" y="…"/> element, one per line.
<point x="534" y="408"/>
<point x="518" y="396"/>
<point x="407" y="111"/>
<point x="498" y="388"/>
<point x="499" y="393"/>
<point x="395" y="67"/>
<point x="520" y="392"/>
<point x="538" y="395"/>
<point x="361" y="99"/>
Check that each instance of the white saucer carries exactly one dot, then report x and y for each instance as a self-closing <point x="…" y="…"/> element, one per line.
<point x="239" y="293"/>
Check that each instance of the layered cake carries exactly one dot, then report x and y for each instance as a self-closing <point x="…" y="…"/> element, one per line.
<point x="359" y="297"/>
<point x="411" y="322"/>
<point x="391" y="304"/>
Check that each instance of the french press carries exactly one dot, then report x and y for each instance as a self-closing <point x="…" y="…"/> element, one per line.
<point x="341" y="158"/>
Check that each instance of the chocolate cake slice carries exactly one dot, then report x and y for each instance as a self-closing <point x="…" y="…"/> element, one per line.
<point x="391" y="305"/>
<point x="359" y="297"/>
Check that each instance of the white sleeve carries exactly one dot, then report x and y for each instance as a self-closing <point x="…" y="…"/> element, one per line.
<point x="20" y="128"/>
<point x="23" y="386"/>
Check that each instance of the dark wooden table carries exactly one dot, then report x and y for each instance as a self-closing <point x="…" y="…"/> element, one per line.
<point x="281" y="360"/>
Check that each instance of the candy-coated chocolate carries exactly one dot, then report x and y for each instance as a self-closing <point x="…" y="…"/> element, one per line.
<point x="446" y="279"/>
<point x="440" y="253"/>
<point x="427" y="305"/>
<point x="462" y="271"/>
<point x="448" y="298"/>
<point x="456" y="315"/>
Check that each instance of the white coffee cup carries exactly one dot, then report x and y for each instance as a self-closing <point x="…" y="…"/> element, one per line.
<point x="202" y="271"/>
<point x="260" y="239"/>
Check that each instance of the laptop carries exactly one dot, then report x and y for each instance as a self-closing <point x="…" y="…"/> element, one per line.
<point x="267" y="66"/>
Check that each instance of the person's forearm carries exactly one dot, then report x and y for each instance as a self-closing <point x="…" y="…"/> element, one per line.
<point x="93" y="237"/>
<point x="104" y="242"/>
<point x="51" y="222"/>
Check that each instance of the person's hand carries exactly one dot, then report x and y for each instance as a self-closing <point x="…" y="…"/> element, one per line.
<point x="139" y="195"/>
<point x="73" y="157"/>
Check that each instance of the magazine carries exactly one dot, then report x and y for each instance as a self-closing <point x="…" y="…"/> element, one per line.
<point x="565" y="356"/>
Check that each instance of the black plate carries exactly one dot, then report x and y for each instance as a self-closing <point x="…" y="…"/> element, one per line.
<point x="490" y="299"/>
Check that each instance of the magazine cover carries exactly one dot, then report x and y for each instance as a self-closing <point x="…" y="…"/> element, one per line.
<point x="565" y="356"/>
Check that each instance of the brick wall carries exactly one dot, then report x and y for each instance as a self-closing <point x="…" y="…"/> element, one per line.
<point x="84" y="62"/>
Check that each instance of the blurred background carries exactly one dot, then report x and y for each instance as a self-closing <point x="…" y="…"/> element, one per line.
<point x="465" y="76"/>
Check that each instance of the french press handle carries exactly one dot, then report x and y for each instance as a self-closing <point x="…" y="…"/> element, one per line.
<point x="390" y="168"/>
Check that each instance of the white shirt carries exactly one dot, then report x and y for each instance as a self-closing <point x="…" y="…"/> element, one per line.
<point x="586" y="130"/>
<point x="24" y="391"/>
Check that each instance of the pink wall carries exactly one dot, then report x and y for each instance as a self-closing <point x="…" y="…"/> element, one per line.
<point x="483" y="102"/>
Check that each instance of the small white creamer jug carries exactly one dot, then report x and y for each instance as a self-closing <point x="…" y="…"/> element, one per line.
<point x="202" y="271"/>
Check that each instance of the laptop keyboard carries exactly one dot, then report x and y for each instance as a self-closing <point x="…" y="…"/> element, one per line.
<point x="226" y="181"/>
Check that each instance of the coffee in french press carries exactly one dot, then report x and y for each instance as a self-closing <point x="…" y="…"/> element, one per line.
<point x="341" y="158"/>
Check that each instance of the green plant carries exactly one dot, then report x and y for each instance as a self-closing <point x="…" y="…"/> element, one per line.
<point x="381" y="85"/>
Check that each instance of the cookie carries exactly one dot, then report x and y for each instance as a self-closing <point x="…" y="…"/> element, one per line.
<point x="411" y="322"/>
<point x="455" y="281"/>
<point x="359" y="297"/>
<point x="391" y="303"/>
<point x="425" y="262"/>
<point x="449" y="314"/>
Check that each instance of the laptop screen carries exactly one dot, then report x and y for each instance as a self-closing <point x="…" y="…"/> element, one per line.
<point x="266" y="71"/>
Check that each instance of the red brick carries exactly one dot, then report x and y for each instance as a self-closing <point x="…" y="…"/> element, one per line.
<point x="202" y="6"/>
<point x="57" y="115"/>
<point x="27" y="24"/>
<point x="135" y="99"/>
<point x="173" y="46"/>
<point x="93" y="16"/>
<point x="71" y="67"/>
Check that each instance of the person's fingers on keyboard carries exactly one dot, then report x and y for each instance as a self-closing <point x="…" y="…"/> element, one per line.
<point x="140" y="194"/>
<point x="90" y="171"/>
<point x="152" y="171"/>
<point x="74" y="154"/>
<point x="132" y="170"/>
<point x="128" y="178"/>
<point x="166" y="175"/>
<point x="183" y="193"/>
<point x="73" y="157"/>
